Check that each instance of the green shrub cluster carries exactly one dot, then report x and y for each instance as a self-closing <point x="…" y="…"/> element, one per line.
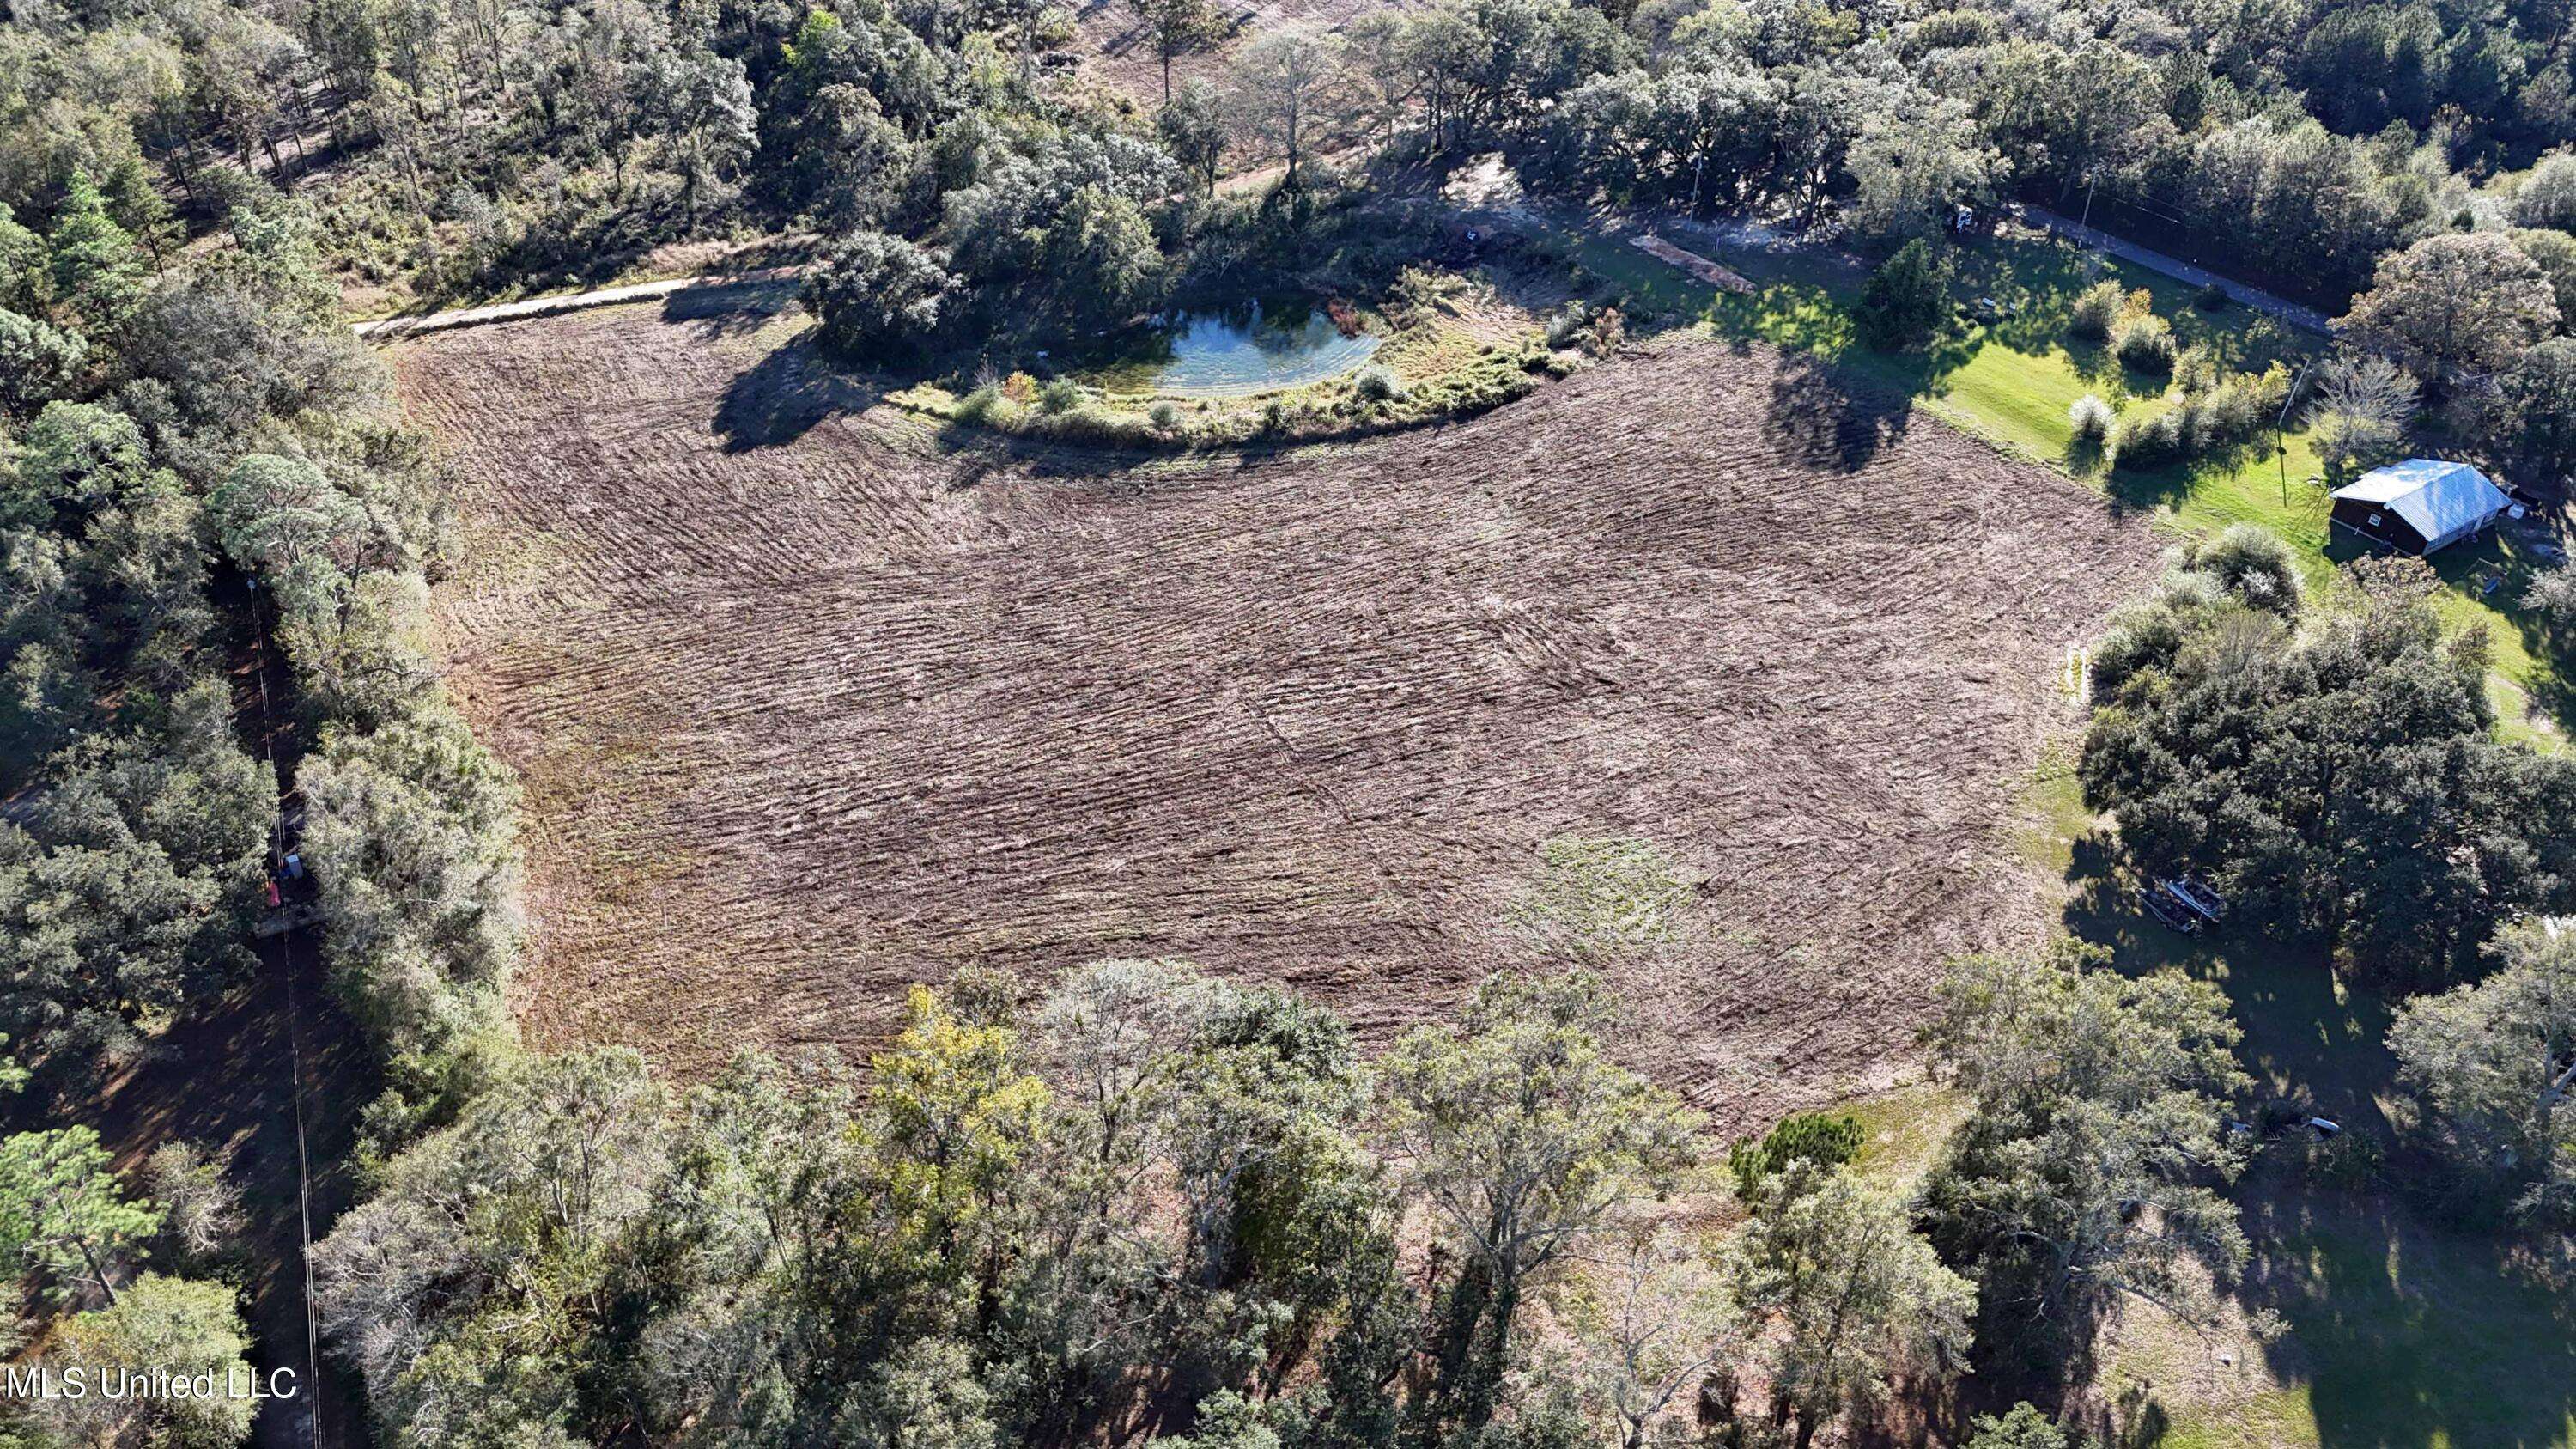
<point x="2231" y="414"/>
<point x="2096" y="310"/>
<point x="2144" y="342"/>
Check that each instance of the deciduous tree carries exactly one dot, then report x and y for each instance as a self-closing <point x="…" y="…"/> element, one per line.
<point x="2496" y="1062"/>
<point x="2089" y="1170"/>
<point x="2455" y="304"/>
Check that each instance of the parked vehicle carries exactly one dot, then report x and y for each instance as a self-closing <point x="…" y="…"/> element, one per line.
<point x="2196" y="896"/>
<point x="2169" y="911"/>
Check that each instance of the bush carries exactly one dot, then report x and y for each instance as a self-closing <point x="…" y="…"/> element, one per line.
<point x="2238" y="410"/>
<point x="877" y="296"/>
<point x="2552" y="595"/>
<point x="984" y="405"/>
<point x="2151" y="440"/>
<point x="2229" y="415"/>
<point x="2212" y="297"/>
<point x="1059" y="395"/>
<point x="1815" y="1136"/>
<point x="1089" y="424"/>
<point x="2349" y="1159"/>
<point x="1566" y="327"/>
<point x="2145" y="343"/>
<point x="1377" y="385"/>
<point x="2023" y="1428"/>
<point x="2547" y="197"/>
<point x="2251" y="563"/>
<point x="1907" y="299"/>
<point x="2097" y="310"/>
<point x="2196" y="370"/>
<point x="2091" y="418"/>
<point x="1165" y="415"/>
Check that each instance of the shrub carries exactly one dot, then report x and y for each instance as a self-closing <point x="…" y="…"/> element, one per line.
<point x="1907" y="299"/>
<point x="1608" y="332"/>
<point x="2144" y="343"/>
<point x="1376" y="385"/>
<point x="2349" y="1159"/>
<point x="2252" y="563"/>
<point x="2547" y="197"/>
<point x="2212" y="297"/>
<point x="985" y="404"/>
<point x="877" y="295"/>
<point x="1059" y="395"/>
<point x="2023" y="1428"/>
<point x="1165" y="415"/>
<point x="1598" y="331"/>
<point x="2238" y="410"/>
<point x="1274" y="416"/>
<point x="1565" y="327"/>
<point x="2552" y="595"/>
<point x="2097" y="310"/>
<point x="2229" y="415"/>
<point x="2196" y="370"/>
<point x="2151" y="440"/>
<point x="1089" y="424"/>
<point x="1815" y="1136"/>
<point x="2092" y="419"/>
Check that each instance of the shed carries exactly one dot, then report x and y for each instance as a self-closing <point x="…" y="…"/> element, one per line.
<point x="2420" y="505"/>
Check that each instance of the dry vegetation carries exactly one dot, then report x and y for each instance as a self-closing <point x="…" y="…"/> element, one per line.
<point x="1119" y="50"/>
<point x="809" y="705"/>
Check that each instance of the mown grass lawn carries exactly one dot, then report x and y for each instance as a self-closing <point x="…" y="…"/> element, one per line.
<point x="2011" y="383"/>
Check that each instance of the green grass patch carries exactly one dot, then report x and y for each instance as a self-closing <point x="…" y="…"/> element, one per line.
<point x="1902" y="1131"/>
<point x="1594" y="899"/>
<point x="2053" y="815"/>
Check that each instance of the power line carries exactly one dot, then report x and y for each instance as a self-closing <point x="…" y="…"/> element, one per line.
<point x="294" y="1056"/>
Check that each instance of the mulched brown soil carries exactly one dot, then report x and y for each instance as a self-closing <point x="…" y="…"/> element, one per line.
<point x="810" y="705"/>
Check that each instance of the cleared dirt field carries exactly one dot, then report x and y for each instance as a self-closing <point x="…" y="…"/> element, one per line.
<point x="1118" y="48"/>
<point x="810" y="706"/>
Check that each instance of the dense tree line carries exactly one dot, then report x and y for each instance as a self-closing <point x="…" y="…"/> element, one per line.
<point x="1154" y="1202"/>
<point x="2409" y="156"/>
<point x="2333" y="767"/>
<point x="194" y="452"/>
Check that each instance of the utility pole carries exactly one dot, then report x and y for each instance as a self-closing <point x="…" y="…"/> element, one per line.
<point x="2281" y="427"/>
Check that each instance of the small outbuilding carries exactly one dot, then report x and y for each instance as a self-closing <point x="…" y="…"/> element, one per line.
<point x="2420" y="505"/>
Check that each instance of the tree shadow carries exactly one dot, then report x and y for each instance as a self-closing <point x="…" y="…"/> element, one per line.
<point x="1822" y="415"/>
<point x="784" y="395"/>
<point x="730" y="309"/>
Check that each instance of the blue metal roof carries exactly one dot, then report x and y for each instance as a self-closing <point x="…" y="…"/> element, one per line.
<point x="2438" y="499"/>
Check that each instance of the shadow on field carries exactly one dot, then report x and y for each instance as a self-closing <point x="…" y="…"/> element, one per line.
<point x="729" y="309"/>
<point x="781" y="397"/>
<point x="1822" y="417"/>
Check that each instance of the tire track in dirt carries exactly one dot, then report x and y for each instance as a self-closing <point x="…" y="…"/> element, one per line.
<point x="805" y="721"/>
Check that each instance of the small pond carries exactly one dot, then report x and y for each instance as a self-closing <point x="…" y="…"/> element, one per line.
<point x="1261" y="345"/>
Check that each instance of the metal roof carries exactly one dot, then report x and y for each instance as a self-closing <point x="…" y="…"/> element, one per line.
<point x="2437" y="499"/>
